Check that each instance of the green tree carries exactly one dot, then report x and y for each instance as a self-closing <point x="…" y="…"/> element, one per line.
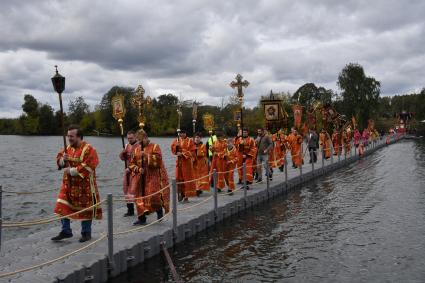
<point x="28" y="125"/>
<point x="30" y="105"/>
<point x="29" y="121"/>
<point x="306" y="94"/>
<point x="360" y="93"/>
<point x="309" y="93"/>
<point x="77" y="109"/>
<point x="47" y="123"/>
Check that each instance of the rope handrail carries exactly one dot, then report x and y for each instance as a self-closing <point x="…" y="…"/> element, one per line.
<point x="44" y="221"/>
<point x="142" y="197"/>
<point x="194" y="180"/>
<point x="29" y="193"/>
<point x="231" y="192"/>
<point x="6" y="274"/>
<point x="195" y="205"/>
<point x="142" y="227"/>
<point x="29" y="221"/>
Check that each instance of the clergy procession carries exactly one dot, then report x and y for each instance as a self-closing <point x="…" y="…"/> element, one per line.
<point x="218" y="160"/>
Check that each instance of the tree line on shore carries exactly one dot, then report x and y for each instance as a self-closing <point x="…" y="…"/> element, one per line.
<point x="359" y="97"/>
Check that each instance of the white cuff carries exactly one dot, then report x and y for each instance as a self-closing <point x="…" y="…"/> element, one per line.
<point x="73" y="171"/>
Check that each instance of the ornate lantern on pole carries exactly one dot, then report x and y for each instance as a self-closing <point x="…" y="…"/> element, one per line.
<point x="58" y="82"/>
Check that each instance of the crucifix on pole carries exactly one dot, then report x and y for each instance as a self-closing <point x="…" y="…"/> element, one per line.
<point x="239" y="85"/>
<point x="140" y="102"/>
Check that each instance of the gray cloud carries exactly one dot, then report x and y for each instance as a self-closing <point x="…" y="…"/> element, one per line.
<point x="196" y="47"/>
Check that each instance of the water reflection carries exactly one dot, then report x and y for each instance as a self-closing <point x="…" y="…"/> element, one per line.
<point x="364" y="223"/>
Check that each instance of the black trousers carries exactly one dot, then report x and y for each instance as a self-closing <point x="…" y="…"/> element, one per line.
<point x="313" y="154"/>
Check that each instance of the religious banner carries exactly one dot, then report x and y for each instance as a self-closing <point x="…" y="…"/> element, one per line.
<point x="298" y="112"/>
<point x="271" y="111"/>
<point x="208" y="122"/>
<point x="118" y="109"/>
<point x="275" y="115"/>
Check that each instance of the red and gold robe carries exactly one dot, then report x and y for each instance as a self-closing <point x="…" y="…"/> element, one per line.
<point x="200" y="167"/>
<point x="219" y="162"/>
<point x="154" y="176"/>
<point x="246" y="146"/>
<point x="128" y="193"/>
<point x="346" y="141"/>
<point x="295" y="142"/>
<point x="281" y="147"/>
<point x="184" y="165"/>
<point x="336" y="142"/>
<point x="80" y="191"/>
<point x="236" y="142"/>
<point x="275" y="154"/>
<point x="231" y="162"/>
<point x="325" y="143"/>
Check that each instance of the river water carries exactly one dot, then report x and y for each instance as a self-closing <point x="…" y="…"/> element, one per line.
<point x="362" y="223"/>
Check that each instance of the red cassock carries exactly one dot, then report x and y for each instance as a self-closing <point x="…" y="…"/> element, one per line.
<point x="155" y="179"/>
<point x="275" y="154"/>
<point x="80" y="191"/>
<point x="246" y="146"/>
<point x="336" y="142"/>
<point x="184" y="165"/>
<point x="219" y="162"/>
<point x="231" y="162"/>
<point x="127" y="188"/>
<point x="224" y="162"/>
<point x="346" y="140"/>
<point x="325" y="142"/>
<point x="281" y="148"/>
<point x="236" y="142"/>
<point x="200" y="167"/>
<point x="295" y="142"/>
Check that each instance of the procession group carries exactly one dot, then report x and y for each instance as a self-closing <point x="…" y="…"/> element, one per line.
<point x="146" y="183"/>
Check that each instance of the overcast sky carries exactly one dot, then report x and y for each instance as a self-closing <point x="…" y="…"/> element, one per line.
<point x="195" y="48"/>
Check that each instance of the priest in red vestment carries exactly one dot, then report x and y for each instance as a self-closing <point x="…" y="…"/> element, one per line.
<point x="125" y="156"/>
<point x="153" y="192"/>
<point x="200" y="165"/>
<point x="184" y="148"/>
<point x="79" y="189"/>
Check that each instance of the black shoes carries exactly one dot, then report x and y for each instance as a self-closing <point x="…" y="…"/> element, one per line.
<point x="130" y="210"/>
<point x="240" y="182"/>
<point x="159" y="214"/>
<point x="259" y="181"/>
<point x="229" y="192"/>
<point x="198" y="193"/>
<point x="141" y="220"/>
<point x="85" y="237"/>
<point x="61" y="236"/>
